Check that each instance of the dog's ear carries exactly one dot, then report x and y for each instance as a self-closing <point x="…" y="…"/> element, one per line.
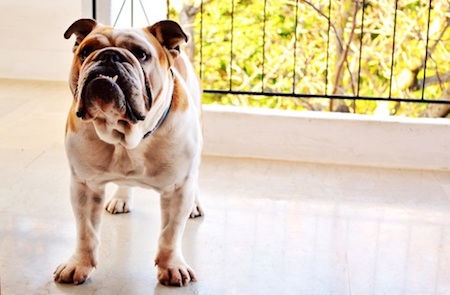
<point x="81" y="28"/>
<point x="170" y="35"/>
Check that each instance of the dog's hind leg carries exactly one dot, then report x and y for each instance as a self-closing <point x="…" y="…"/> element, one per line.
<point x="197" y="210"/>
<point x="122" y="202"/>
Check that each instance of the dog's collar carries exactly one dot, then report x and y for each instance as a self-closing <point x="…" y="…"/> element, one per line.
<point x="163" y="117"/>
<point x="161" y="120"/>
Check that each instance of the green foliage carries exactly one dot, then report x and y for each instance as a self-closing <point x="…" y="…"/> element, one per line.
<point x="289" y="46"/>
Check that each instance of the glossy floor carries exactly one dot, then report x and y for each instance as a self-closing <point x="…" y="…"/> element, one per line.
<point x="270" y="227"/>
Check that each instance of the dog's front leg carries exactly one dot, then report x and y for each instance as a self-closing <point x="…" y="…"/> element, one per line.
<point x="87" y="204"/>
<point x="175" y="210"/>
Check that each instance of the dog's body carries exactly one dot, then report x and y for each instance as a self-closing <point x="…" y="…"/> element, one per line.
<point x="135" y="121"/>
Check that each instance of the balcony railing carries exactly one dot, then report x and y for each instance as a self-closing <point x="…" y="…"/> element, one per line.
<point x="394" y="51"/>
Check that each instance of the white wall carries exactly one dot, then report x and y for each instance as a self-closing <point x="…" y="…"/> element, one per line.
<point x="321" y="137"/>
<point x="32" y="45"/>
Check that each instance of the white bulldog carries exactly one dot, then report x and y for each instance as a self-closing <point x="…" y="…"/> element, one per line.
<point x="135" y="120"/>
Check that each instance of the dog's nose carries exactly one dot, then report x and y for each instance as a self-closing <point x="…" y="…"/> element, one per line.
<point x="109" y="55"/>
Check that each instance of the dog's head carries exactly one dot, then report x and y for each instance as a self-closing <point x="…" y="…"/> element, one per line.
<point x="121" y="78"/>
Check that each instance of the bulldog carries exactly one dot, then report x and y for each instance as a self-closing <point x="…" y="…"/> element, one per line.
<point x="135" y="120"/>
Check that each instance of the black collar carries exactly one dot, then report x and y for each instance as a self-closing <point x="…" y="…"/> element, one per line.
<point x="164" y="116"/>
<point x="161" y="120"/>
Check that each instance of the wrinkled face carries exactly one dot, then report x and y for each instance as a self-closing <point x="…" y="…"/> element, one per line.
<point x="118" y="76"/>
<point x="112" y="81"/>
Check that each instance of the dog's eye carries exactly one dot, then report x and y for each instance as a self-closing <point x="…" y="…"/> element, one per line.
<point x="140" y="54"/>
<point x="87" y="50"/>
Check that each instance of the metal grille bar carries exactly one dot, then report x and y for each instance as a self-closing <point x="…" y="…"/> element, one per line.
<point x="231" y="45"/>
<point x="393" y="49"/>
<point x="426" y="49"/>
<point x="295" y="46"/>
<point x="360" y="43"/>
<point x="263" y="70"/>
<point x="320" y="96"/>
<point x="329" y="87"/>
<point x="328" y="47"/>
<point x="94" y="9"/>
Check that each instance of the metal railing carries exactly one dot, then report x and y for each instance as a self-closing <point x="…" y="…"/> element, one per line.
<point x="349" y="40"/>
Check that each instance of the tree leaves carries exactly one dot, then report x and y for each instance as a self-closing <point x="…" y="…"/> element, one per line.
<point x="318" y="51"/>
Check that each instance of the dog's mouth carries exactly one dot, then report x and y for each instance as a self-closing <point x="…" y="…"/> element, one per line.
<point x="112" y="89"/>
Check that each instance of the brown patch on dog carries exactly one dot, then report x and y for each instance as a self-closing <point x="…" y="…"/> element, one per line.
<point x="162" y="257"/>
<point x="101" y="37"/>
<point x="179" y="98"/>
<point x="82" y="198"/>
<point x="73" y="122"/>
<point x="163" y="58"/>
<point x="97" y="200"/>
<point x="170" y="36"/>
<point x="105" y="30"/>
<point x="181" y="68"/>
<point x="96" y="40"/>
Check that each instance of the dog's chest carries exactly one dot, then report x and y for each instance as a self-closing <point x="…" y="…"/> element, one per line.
<point x="146" y="166"/>
<point x="156" y="164"/>
<point x="126" y="164"/>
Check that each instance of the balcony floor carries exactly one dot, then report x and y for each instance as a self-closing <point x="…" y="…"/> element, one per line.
<point x="271" y="227"/>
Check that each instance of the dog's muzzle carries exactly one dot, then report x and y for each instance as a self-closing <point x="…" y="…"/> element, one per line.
<point x="112" y="82"/>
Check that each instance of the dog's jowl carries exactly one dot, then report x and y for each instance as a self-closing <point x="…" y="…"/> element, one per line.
<point x="134" y="121"/>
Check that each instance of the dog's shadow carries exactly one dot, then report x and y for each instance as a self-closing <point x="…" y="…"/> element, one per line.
<point x="192" y="288"/>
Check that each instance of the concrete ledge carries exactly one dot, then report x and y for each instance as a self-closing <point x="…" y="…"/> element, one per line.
<point x="346" y="139"/>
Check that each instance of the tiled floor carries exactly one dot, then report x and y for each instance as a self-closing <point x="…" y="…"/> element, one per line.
<point x="270" y="227"/>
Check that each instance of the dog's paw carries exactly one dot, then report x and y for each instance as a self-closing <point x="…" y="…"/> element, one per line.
<point x="177" y="274"/>
<point x="122" y="202"/>
<point x="197" y="211"/>
<point x="118" y="205"/>
<point x="73" y="271"/>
